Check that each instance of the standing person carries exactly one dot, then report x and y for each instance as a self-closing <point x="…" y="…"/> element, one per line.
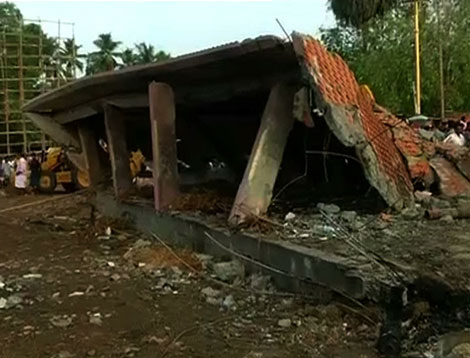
<point x="20" y="176"/>
<point x="7" y="170"/>
<point x="457" y="138"/>
<point x="2" y="173"/>
<point x="35" y="168"/>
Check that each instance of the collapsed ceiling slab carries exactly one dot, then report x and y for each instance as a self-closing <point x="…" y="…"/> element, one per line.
<point x="394" y="157"/>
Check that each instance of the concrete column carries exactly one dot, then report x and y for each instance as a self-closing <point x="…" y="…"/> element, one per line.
<point x="256" y="189"/>
<point x="118" y="153"/>
<point x="165" y="162"/>
<point x="90" y="152"/>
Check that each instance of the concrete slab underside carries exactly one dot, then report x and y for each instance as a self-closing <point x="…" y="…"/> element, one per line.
<point x="293" y="268"/>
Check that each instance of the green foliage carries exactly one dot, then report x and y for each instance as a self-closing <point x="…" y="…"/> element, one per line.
<point x="105" y="59"/>
<point x="381" y="54"/>
<point x="128" y="58"/>
<point x="70" y="58"/>
<point x="47" y="63"/>
<point x="147" y="54"/>
<point x="108" y="54"/>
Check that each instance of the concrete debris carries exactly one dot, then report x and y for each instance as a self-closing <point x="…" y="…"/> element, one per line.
<point x="461" y="351"/>
<point x="229" y="271"/>
<point x="61" y="321"/>
<point x="76" y="294"/>
<point x="453" y="345"/>
<point x="115" y="277"/>
<point x="447" y="219"/>
<point x="210" y="292"/>
<point x="214" y="301"/>
<point x="140" y="243"/>
<point x="423" y="196"/>
<point x="289" y="216"/>
<point x="32" y="276"/>
<point x="259" y="282"/>
<point x="284" y="323"/>
<point x="229" y="302"/>
<point x="349" y="217"/>
<point x="206" y="260"/>
<point x="3" y="303"/>
<point x="63" y="354"/>
<point x="96" y="319"/>
<point x="14" y="300"/>
<point x="329" y="208"/>
<point x="411" y="214"/>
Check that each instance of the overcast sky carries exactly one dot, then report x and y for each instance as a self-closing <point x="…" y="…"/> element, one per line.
<point x="178" y="26"/>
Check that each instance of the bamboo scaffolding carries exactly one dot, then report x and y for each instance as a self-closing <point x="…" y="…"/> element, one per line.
<point x="21" y="55"/>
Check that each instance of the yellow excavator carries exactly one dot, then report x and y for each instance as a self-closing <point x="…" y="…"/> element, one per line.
<point x="58" y="169"/>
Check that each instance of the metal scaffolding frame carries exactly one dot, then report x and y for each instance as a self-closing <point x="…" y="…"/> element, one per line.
<point x="29" y="68"/>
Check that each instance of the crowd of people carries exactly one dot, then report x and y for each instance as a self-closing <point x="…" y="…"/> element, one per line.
<point x="455" y="132"/>
<point x="22" y="171"/>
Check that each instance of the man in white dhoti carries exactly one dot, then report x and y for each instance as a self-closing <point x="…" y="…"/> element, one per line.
<point x="21" y="171"/>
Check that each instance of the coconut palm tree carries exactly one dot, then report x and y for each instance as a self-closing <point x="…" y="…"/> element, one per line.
<point x="70" y="58"/>
<point x="358" y="12"/>
<point x="146" y="54"/>
<point x="105" y="58"/>
<point x="128" y="58"/>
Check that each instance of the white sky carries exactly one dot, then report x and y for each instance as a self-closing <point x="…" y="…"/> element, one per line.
<point x="178" y="26"/>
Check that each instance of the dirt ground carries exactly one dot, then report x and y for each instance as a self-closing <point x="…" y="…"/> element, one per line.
<point x="71" y="288"/>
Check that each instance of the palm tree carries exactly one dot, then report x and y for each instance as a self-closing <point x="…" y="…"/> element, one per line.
<point x="105" y="58"/>
<point x="128" y="58"/>
<point x="70" y="58"/>
<point x="146" y="54"/>
<point x="358" y="12"/>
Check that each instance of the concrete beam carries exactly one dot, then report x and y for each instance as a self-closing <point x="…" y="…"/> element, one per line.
<point x="165" y="162"/>
<point x="119" y="155"/>
<point x="90" y="152"/>
<point x="58" y="132"/>
<point x="256" y="189"/>
<point x="74" y="114"/>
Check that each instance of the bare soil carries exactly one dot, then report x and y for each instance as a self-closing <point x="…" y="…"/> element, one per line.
<point x="80" y="297"/>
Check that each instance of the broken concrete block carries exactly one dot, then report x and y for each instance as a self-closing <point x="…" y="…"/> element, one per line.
<point x="290" y="216"/>
<point x="329" y="208"/>
<point x="447" y="219"/>
<point x="229" y="271"/>
<point x="440" y="203"/>
<point x="451" y="182"/>
<point x="349" y="216"/>
<point x="411" y="214"/>
<point x="210" y="292"/>
<point x="284" y="323"/>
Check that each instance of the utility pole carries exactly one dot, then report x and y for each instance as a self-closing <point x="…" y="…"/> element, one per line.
<point x="417" y="59"/>
<point x="441" y="61"/>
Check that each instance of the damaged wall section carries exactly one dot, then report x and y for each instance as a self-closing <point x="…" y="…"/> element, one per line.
<point x="349" y="112"/>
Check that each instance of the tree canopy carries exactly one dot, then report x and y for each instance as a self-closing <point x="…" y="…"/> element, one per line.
<point x="47" y="62"/>
<point x="358" y="12"/>
<point x="381" y="53"/>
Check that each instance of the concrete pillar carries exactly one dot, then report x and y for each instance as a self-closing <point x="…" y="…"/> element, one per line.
<point x="90" y="152"/>
<point x="118" y="153"/>
<point x="256" y="189"/>
<point x="165" y="162"/>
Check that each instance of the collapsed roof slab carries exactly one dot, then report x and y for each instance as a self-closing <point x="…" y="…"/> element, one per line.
<point x="248" y="68"/>
<point x="349" y="113"/>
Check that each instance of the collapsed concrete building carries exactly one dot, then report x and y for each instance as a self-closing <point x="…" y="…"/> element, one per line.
<point x="272" y="112"/>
